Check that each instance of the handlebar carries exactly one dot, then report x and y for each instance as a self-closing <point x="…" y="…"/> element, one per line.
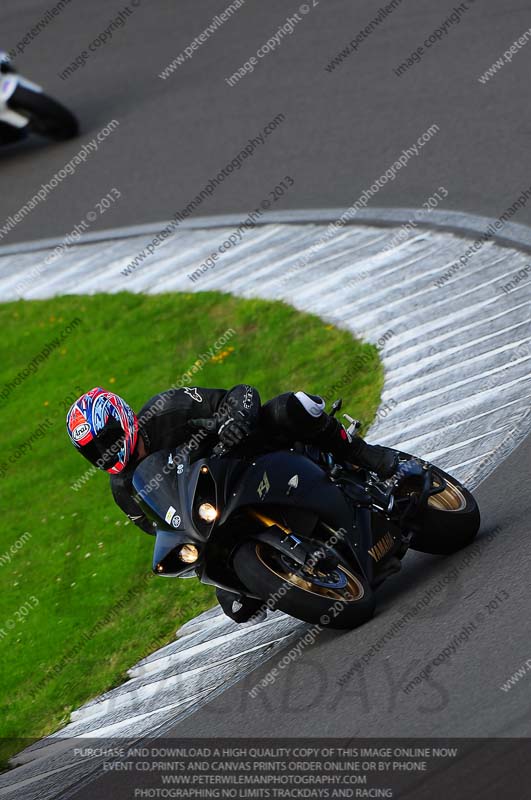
<point x="210" y="425"/>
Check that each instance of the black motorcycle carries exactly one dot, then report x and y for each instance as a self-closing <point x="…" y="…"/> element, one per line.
<point x="295" y="529"/>
<point x="25" y="108"/>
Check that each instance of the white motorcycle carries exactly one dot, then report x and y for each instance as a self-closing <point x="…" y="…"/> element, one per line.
<point x="24" y="108"/>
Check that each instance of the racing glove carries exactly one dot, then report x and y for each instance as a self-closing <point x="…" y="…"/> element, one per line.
<point x="239" y="416"/>
<point x="234" y="430"/>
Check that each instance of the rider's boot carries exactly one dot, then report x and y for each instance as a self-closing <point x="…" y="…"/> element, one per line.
<point x="381" y="460"/>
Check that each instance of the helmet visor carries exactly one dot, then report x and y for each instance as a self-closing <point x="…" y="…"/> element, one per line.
<point x="102" y="451"/>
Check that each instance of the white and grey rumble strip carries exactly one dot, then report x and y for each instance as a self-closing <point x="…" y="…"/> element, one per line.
<point x="455" y="342"/>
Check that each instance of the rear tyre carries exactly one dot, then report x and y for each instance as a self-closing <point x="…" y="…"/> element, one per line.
<point x="342" y="599"/>
<point x="450" y="521"/>
<point x="46" y="117"/>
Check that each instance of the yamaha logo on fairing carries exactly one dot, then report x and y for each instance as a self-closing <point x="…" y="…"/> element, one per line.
<point x="382" y="547"/>
<point x="81" y="431"/>
<point x="172" y="518"/>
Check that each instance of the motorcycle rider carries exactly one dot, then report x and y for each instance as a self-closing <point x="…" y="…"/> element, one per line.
<point x="8" y="133"/>
<point x="107" y="432"/>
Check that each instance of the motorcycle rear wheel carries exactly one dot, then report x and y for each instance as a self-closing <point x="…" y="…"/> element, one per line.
<point x="266" y="572"/>
<point x="450" y="521"/>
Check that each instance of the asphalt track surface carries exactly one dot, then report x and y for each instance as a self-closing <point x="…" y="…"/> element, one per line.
<point x="342" y="129"/>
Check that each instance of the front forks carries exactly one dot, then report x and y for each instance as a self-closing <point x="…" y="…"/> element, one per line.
<point x="324" y="558"/>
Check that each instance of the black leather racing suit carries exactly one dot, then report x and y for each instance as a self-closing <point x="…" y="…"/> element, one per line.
<point x="164" y="423"/>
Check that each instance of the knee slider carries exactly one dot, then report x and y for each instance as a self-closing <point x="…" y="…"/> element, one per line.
<point x="313" y="404"/>
<point x="306" y="414"/>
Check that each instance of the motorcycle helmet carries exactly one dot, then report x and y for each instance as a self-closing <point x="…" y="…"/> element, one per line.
<point x="104" y="428"/>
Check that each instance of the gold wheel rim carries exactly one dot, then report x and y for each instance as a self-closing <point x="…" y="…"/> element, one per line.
<point x="450" y="499"/>
<point x="354" y="587"/>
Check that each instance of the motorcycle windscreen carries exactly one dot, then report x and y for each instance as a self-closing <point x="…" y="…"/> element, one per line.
<point x="158" y="485"/>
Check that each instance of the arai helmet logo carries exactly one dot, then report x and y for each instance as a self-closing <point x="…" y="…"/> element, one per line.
<point x="176" y="521"/>
<point x="81" y="431"/>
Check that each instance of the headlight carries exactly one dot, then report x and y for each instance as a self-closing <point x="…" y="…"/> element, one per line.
<point x="207" y="512"/>
<point x="189" y="553"/>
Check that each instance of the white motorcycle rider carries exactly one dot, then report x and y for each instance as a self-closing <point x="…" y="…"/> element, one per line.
<point x="24" y="108"/>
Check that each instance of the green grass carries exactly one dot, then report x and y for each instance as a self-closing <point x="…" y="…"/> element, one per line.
<point x="84" y="563"/>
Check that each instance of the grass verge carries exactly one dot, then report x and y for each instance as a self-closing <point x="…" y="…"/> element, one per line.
<point x="76" y="607"/>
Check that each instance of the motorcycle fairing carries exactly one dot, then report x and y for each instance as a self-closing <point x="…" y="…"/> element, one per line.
<point x="269" y="482"/>
<point x="159" y="490"/>
<point x="165" y="491"/>
<point x="266" y="481"/>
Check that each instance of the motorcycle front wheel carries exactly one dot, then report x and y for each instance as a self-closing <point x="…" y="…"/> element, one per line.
<point x="340" y="599"/>
<point x="46" y="116"/>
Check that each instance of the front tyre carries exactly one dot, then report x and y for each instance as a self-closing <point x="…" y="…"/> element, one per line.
<point x="341" y="599"/>
<point x="46" y="116"/>
<point x="10" y="134"/>
<point x="450" y="520"/>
